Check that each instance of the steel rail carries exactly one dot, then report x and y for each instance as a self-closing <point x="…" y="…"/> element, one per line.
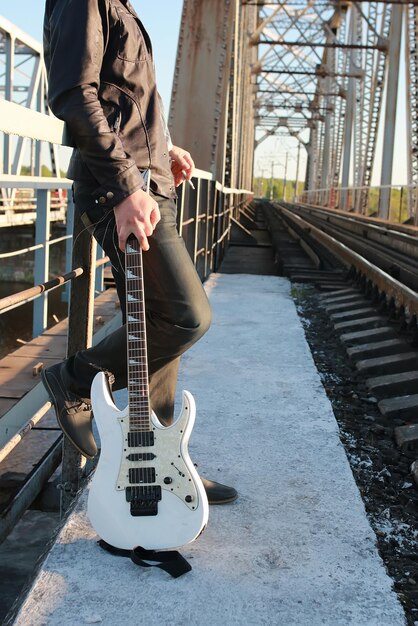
<point x="402" y="245"/>
<point x="407" y="235"/>
<point x="379" y="253"/>
<point x="394" y="289"/>
<point x="408" y="229"/>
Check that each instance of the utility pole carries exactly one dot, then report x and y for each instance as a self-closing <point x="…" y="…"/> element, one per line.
<point x="297" y="173"/>
<point x="260" y="184"/>
<point x="285" y="177"/>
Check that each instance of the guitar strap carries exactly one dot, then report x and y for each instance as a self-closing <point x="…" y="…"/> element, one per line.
<point x="170" y="561"/>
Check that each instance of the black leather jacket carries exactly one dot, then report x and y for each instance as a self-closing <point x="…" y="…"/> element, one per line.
<point x="102" y="84"/>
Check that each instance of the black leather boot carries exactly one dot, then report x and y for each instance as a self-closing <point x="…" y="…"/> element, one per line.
<point x="74" y="414"/>
<point x="218" y="493"/>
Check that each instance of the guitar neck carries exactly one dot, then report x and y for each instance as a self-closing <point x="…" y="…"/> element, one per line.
<point x="138" y="387"/>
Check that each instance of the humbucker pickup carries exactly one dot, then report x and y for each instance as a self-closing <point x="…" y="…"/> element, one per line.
<point x="141" y="456"/>
<point x="140" y="439"/>
<point x="138" y="475"/>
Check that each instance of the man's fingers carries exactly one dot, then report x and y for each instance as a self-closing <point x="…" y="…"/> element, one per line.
<point x="121" y="243"/>
<point x="143" y="242"/>
<point x="155" y="216"/>
<point x="138" y="215"/>
<point x="189" y="161"/>
<point x="139" y="233"/>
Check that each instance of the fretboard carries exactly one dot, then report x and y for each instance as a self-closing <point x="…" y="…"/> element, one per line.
<point x="138" y="389"/>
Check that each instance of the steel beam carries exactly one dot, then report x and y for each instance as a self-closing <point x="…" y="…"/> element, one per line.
<point x="349" y="116"/>
<point x="23" y="60"/>
<point x="391" y="107"/>
<point x="200" y="88"/>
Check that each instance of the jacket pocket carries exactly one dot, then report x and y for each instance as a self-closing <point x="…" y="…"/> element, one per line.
<point x="132" y="46"/>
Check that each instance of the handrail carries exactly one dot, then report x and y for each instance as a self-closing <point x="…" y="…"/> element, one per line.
<point x="27" y="295"/>
<point x="16" y="119"/>
<point x="8" y="255"/>
<point x="402" y="200"/>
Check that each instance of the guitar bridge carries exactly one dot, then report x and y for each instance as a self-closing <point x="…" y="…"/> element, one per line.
<point x="143" y="500"/>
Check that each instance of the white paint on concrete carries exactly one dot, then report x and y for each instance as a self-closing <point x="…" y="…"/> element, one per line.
<point x="295" y="549"/>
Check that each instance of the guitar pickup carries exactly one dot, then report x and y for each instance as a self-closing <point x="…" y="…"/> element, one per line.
<point x="138" y="475"/>
<point x="140" y="439"/>
<point x="141" y="456"/>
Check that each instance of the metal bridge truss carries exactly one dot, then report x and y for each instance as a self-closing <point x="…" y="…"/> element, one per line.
<point x="23" y="81"/>
<point x="411" y="57"/>
<point x="322" y="71"/>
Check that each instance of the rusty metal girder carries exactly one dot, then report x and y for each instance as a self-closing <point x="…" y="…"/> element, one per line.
<point x="200" y="87"/>
<point x="212" y="104"/>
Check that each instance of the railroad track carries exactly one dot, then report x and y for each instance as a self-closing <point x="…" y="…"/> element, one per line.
<point x="393" y="248"/>
<point x="373" y="303"/>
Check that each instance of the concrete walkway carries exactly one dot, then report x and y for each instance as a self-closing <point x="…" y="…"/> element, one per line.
<point x="295" y="549"/>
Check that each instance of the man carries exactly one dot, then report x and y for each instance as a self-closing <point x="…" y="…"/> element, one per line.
<point x="102" y="84"/>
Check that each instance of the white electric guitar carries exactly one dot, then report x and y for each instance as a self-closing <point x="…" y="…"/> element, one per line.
<point x="145" y="491"/>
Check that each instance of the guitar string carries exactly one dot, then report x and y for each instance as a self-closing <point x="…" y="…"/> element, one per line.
<point x="139" y="410"/>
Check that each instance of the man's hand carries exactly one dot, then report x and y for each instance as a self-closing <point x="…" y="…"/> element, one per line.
<point x="137" y="214"/>
<point x="182" y="165"/>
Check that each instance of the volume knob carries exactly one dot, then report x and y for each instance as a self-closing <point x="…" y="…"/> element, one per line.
<point x="168" y="480"/>
<point x="189" y="498"/>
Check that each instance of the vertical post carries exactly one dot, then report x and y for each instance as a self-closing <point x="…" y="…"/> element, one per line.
<point x="38" y="147"/>
<point x="411" y="93"/>
<point x="329" y="58"/>
<point x="297" y="173"/>
<point x="180" y="208"/>
<point x="80" y="333"/>
<point x="400" y="205"/>
<point x="216" y="208"/>
<point x="196" y="217"/>
<point x="99" y="279"/>
<point x="220" y="205"/>
<point x="285" y="177"/>
<point x="69" y="228"/>
<point x="41" y="272"/>
<point x="271" y="181"/>
<point x="211" y="224"/>
<point x="207" y="231"/>
<point x="391" y="106"/>
<point x="349" y="115"/>
<point x="8" y="94"/>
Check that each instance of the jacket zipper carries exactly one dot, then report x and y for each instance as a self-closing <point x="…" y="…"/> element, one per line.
<point x="127" y="93"/>
<point x="116" y="125"/>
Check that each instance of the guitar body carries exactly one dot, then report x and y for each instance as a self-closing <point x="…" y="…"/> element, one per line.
<point x="145" y="491"/>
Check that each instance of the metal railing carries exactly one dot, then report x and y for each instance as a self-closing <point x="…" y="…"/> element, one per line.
<point x="367" y="200"/>
<point x="204" y="221"/>
<point x="19" y="206"/>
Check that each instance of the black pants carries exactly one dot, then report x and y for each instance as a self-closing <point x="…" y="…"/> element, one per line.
<point x="177" y="309"/>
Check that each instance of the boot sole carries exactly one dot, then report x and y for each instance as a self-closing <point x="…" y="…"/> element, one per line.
<point x="226" y="501"/>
